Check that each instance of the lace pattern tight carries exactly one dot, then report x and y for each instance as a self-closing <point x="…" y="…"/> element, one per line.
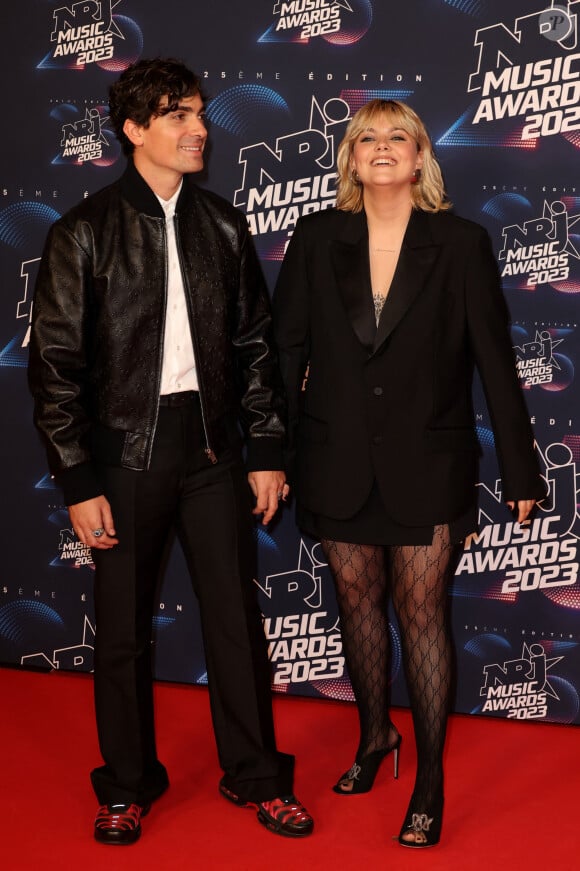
<point x="416" y="578"/>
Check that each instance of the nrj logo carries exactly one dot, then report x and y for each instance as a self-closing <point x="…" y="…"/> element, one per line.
<point x="88" y="32"/>
<point x="301" y="624"/>
<point x="84" y="139"/>
<point x="535" y="361"/>
<point x="76" y="657"/>
<point x="542" y="555"/>
<point x="294" y="177"/>
<point x="338" y="21"/>
<point x="73" y="552"/>
<point x="520" y="687"/>
<point x="531" y="70"/>
<point x="28" y="273"/>
<point x="542" y="249"/>
<point x="14" y="354"/>
<point x="85" y="31"/>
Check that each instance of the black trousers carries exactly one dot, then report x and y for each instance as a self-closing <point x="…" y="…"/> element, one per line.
<point x="209" y="507"/>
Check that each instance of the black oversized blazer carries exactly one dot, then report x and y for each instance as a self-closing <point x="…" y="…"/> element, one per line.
<point x="395" y="403"/>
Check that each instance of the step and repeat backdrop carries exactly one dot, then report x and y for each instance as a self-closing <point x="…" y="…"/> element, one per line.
<point x="498" y="85"/>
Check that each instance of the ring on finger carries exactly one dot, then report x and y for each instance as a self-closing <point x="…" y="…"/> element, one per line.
<point x="98" y="532"/>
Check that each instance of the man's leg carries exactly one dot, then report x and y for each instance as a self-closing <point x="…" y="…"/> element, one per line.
<point x="216" y="531"/>
<point x="143" y="507"/>
<point x="125" y="583"/>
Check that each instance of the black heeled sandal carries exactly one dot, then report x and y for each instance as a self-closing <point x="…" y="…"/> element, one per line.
<point x="361" y="776"/>
<point x="424" y="827"/>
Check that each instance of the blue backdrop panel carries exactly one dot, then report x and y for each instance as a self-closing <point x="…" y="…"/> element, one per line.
<point x="499" y="88"/>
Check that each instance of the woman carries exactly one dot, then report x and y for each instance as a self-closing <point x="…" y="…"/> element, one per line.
<point x="386" y="304"/>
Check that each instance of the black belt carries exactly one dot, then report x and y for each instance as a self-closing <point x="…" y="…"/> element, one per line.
<point x="174" y="400"/>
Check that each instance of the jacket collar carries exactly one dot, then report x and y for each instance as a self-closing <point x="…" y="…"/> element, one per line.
<point x="136" y="191"/>
<point x="350" y="256"/>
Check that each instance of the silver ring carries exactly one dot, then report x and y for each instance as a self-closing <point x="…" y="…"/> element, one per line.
<point x="280" y="495"/>
<point x="98" y="532"/>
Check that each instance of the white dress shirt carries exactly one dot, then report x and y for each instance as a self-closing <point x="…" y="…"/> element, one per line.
<point x="178" y="367"/>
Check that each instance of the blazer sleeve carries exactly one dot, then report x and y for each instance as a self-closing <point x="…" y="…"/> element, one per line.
<point x="262" y="404"/>
<point x="488" y="324"/>
<point x="291" y="316"/>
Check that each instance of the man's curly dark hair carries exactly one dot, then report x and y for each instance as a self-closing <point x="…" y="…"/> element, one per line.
<point x="138" y="91"/>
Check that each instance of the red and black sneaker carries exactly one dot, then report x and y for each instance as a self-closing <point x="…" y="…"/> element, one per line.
<point x="284" y="815"/>
<point x="119" y="823"/>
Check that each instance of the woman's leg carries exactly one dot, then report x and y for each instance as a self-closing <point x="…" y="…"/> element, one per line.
<point x="419" y="586"/>
<point x="361" y="589"/>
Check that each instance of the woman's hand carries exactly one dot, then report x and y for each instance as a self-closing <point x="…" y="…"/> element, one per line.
<point x="524" y="509"/>
<point x="268" y="488"/>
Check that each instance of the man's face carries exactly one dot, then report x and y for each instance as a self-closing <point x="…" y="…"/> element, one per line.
<point x="172" y="144"/>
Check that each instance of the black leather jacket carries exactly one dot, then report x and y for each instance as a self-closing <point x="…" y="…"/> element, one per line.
<point x="98" y="324"/>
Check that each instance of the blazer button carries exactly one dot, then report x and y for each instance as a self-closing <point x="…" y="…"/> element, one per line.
<point x="378" y="391"/>
<point x="377" y="440"/>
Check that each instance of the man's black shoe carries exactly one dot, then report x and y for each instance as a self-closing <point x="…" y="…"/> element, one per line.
<point x="283" y="816"/>
<point x="286" y="816"/>
<point x="120" y="823"/>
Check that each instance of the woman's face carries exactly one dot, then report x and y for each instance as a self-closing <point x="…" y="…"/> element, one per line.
<point x="385" y="155"/>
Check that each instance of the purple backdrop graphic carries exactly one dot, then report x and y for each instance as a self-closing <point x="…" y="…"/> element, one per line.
<point x="499" y="88"/>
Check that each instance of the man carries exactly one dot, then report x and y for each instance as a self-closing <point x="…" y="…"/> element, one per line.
<point x="150" y="345"/>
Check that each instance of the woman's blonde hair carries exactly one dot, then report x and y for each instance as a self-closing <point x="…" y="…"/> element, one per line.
<point x="427" y="193"/>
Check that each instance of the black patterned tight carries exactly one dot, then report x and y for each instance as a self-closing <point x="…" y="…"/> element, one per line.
<point x="416" y="577"/>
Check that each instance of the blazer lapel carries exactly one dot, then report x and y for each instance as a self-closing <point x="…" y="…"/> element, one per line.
<point x="418" y="254"/>
<point x="350" y="259"/>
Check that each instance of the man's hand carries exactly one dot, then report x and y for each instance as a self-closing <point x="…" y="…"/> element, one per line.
<point x="93" y="523"/>
<point x="268" y="488"/>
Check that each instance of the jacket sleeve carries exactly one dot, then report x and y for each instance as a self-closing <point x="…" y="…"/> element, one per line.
<point x="262" y="403"/>
<point x="291" y="312"/>
<point x="57" y="370"/>
<point x="488" y="323"/>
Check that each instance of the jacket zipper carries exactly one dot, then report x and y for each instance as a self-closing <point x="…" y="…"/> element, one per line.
<point x="162" y="344"/>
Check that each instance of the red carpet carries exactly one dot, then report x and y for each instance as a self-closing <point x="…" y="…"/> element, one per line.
<point x="511" y="798"/>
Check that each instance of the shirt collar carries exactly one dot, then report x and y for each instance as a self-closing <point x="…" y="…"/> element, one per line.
<point x="168" y="206"/>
